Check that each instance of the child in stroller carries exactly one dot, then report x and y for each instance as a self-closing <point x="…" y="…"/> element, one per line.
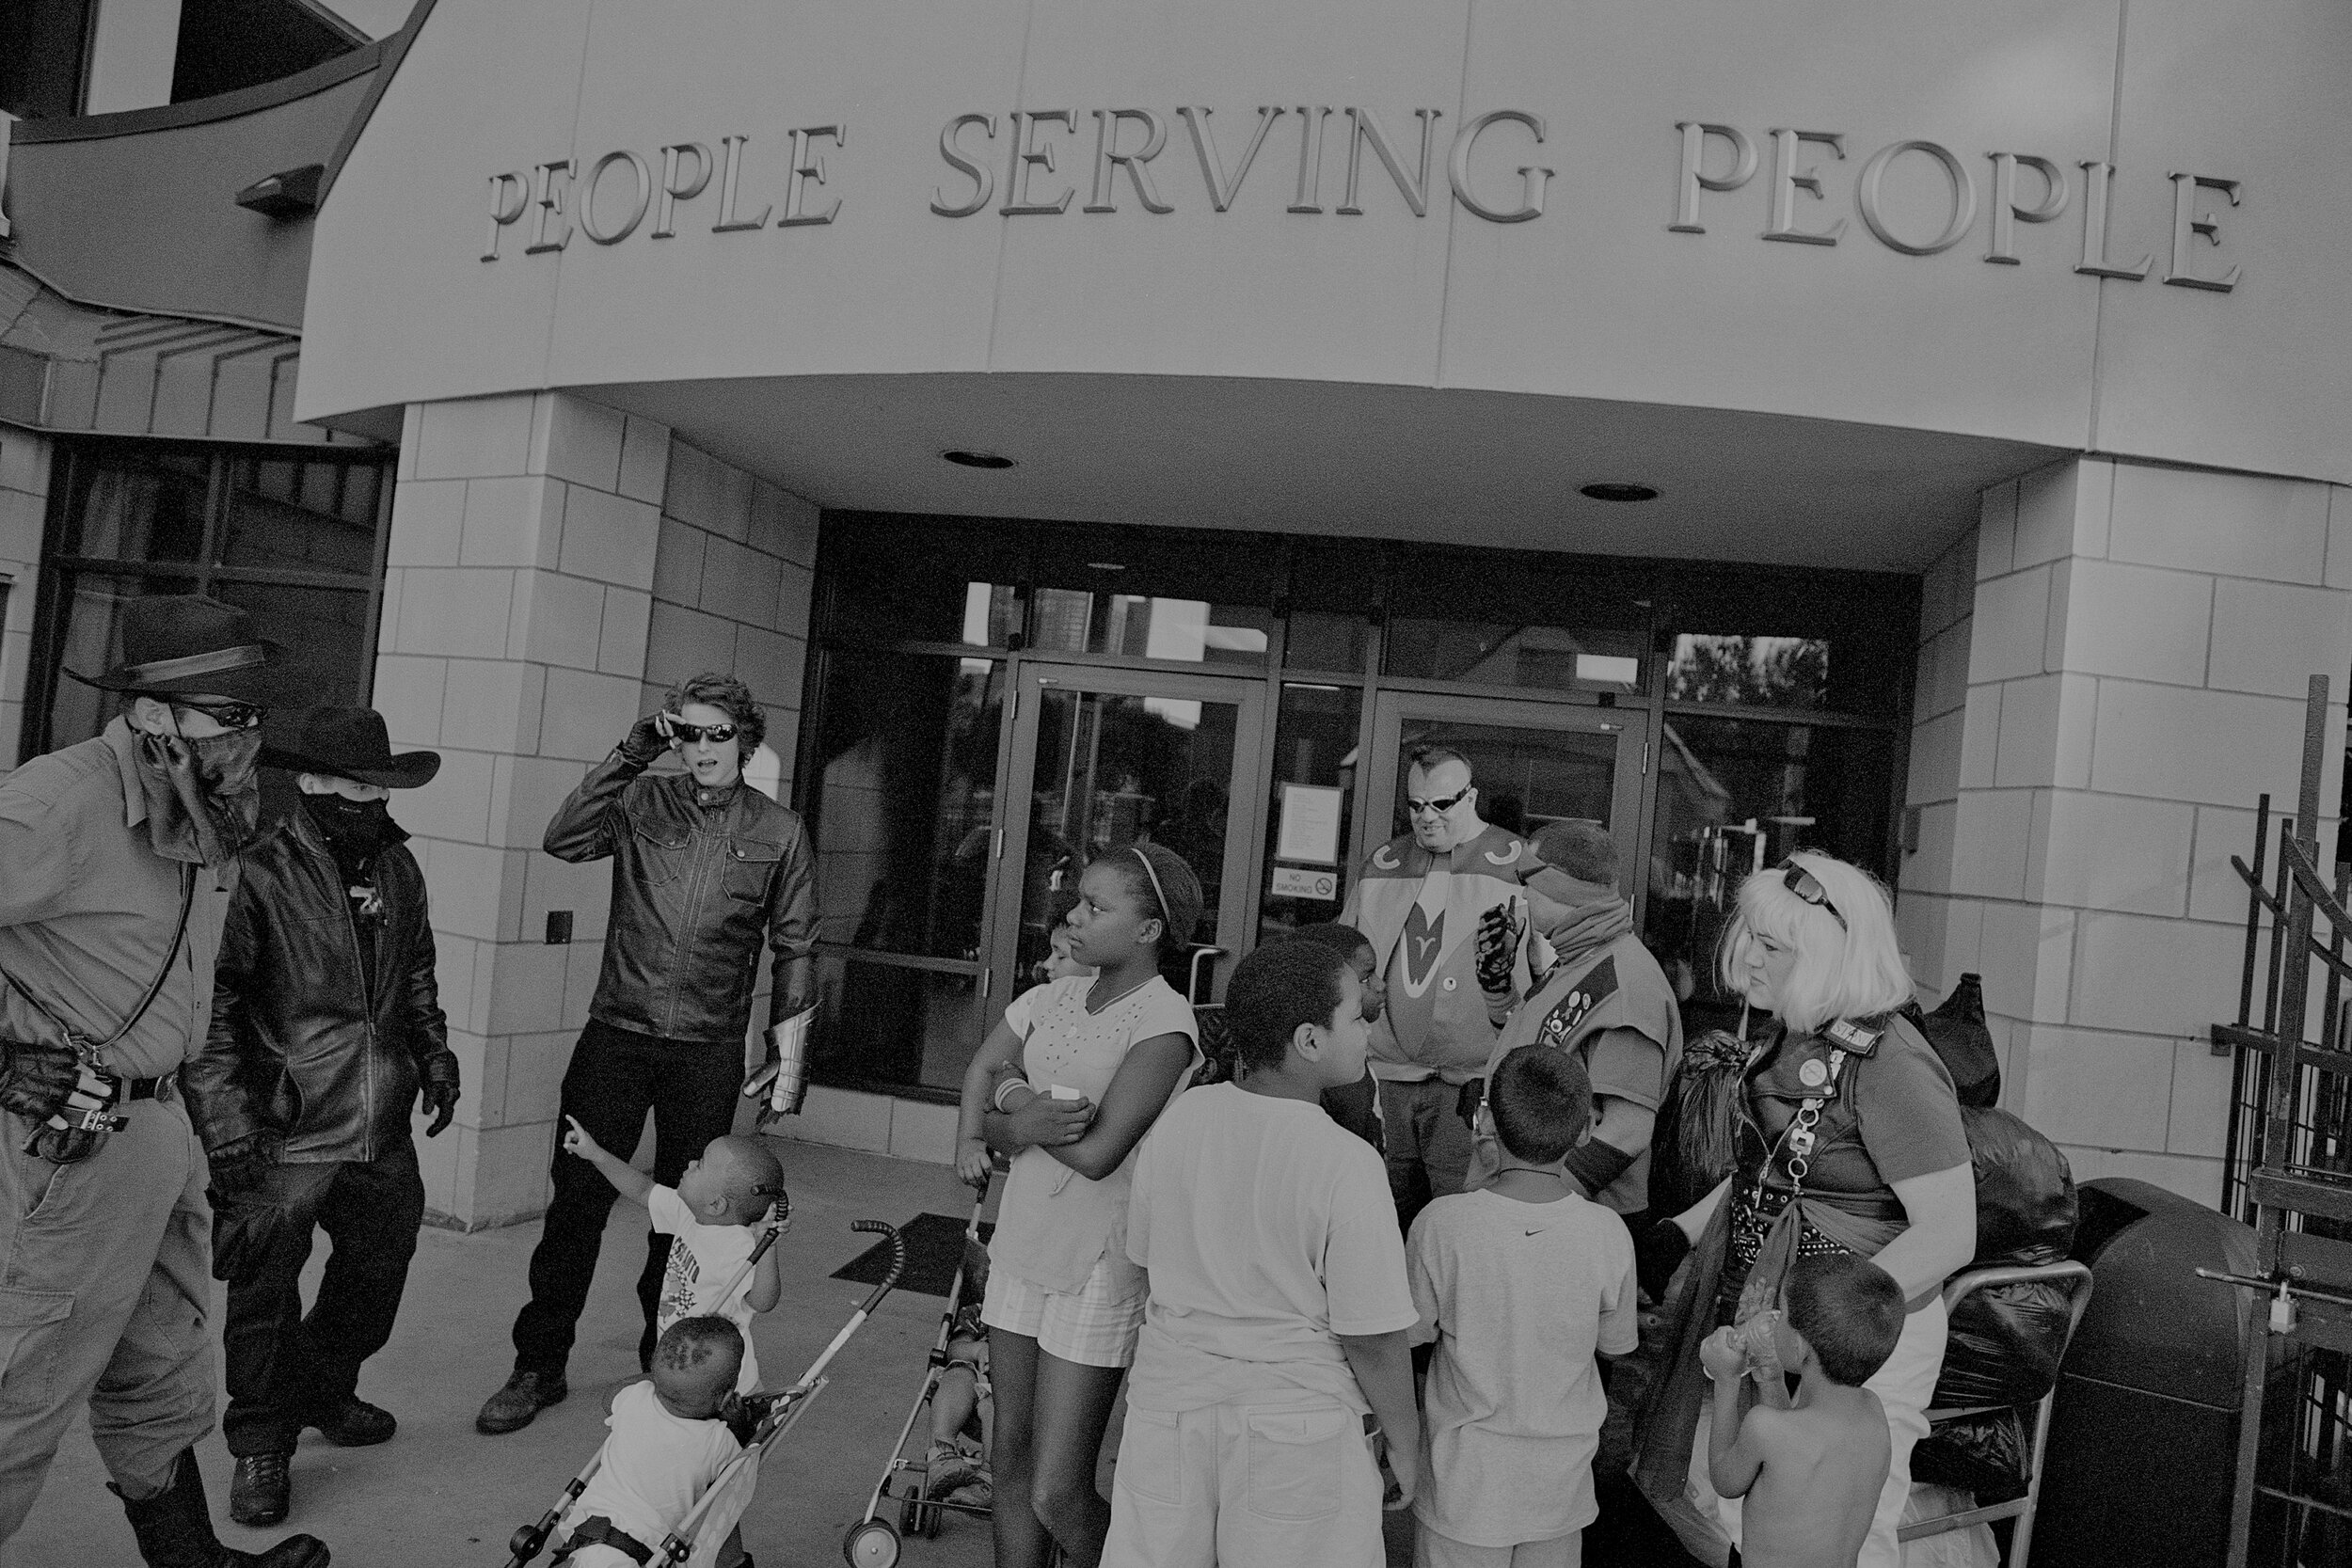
<point x="956" y="1467"/>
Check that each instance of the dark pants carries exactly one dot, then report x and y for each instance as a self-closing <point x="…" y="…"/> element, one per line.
<point x="1428" y="1144"/>
<point x="615" y="1076"/>
<point x="285" y="1364"/>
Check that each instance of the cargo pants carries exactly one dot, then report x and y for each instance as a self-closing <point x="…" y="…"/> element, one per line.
<point x="104" y="1282"/>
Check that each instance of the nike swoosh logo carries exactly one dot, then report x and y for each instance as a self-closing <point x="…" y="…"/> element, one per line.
<point x="1535" y="1232"/>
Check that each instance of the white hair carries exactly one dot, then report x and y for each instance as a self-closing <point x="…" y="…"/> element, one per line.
<point x="1850" y="971"/>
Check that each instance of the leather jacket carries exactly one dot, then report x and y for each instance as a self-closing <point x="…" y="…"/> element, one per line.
<point x="297" y="1046"/>
<point x="699" y="876"/>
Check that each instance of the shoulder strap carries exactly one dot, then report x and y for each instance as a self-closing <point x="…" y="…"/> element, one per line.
<point x="155" y="987"/>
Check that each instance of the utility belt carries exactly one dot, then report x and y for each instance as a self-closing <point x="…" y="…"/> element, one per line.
<point x="598" y="1530"/>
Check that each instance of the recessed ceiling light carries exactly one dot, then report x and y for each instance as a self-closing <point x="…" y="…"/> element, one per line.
<point x="1619" y="492"/>
<point x="977" y="459"/>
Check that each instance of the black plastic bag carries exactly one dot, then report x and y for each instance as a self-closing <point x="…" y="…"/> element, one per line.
<point x="2005" y="1342"/>
<point x="1959" y="1037"/>
<point x="1986" y="1454"/>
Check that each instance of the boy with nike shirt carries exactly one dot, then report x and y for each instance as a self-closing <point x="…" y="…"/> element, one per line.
<point x="714" y="1217"/>
<point x="1519" y="1283"/>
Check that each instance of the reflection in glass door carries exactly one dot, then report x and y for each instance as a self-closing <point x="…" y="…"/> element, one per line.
<point x="1533" y="763"/>
<point x="1107" y="757"/>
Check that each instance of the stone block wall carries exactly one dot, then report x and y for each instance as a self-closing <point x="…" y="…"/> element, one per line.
<point x="24" y="510"/>
<point x="2138" y="643"/>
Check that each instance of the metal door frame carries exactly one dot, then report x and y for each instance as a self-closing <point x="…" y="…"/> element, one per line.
<point x="1392" y="708"/>
<point x="1244" y="805"/>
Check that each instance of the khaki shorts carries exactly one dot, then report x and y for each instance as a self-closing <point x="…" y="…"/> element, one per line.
<point x="1291" y="1483"/>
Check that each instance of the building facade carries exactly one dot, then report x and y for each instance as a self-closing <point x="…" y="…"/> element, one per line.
<point x="1920" y="436"/>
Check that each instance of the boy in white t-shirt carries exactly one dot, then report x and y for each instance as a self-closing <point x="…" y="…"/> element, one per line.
<point x="1277" y="1308"/>
<point x="670" y="1439"/>
<point x="1519" y="1283"/>
<point x="714" y="1216"/>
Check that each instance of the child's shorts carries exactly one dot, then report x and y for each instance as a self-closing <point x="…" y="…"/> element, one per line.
<point x="1291" y="1483"/>
<point x="1433" y="1550"/>
<point x="1095" y="1327"/>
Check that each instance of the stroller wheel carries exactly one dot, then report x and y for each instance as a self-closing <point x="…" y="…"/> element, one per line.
<point x="910" y="1514"/>
<point x="870" y="1543"/>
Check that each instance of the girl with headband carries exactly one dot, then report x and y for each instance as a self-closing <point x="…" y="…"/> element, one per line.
<point x="1068" y="1084"/>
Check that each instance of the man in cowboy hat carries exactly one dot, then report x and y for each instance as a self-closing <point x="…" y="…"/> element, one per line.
<point x="120" y="856"/>
<point x="326" y="1027"/>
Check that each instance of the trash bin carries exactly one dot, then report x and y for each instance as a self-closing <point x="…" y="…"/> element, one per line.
<point x="2143" y="1440"/>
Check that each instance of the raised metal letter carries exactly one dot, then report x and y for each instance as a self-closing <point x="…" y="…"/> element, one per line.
<point x="1027" y="157"/>
<point x="1309" y="160"/>
<point x="2186" y="226"/>
<point x="1108" y="159"/>
<point x="1531" y="180"/>
<point x="1786" y="182"/>
<point x="1212" y="166"/>
<point x="639" y="172"/>
<point x="730" y="171"/>
<point x="808" y="168"/>
<point x="984" y="177"/>
<point x="550" y="201"/>
<point x="665" y="211"/>
<point x="2008" y="215"/>
<point x="1964" y="197"/>
<point x="1695" y="178"/>
<point x="504" y="213"/>
<point x="1365" y="127"/>
<point x="2094" y="261"/>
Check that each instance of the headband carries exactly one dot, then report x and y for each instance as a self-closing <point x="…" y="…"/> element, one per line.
<point x="1166" y="916"/>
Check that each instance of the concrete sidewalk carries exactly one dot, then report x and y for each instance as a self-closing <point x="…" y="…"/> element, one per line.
<point x="442" y="1495"/>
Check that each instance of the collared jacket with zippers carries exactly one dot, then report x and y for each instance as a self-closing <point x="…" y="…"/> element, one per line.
<point x="298" y="1045"/>
<point x="699" y="876"/>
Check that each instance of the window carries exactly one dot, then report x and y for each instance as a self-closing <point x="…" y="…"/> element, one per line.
<point x="295" y="541"/>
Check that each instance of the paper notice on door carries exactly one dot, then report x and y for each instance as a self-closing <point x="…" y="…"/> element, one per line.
<point x="1300" y="881"/>
<point x="1309" y="826"/>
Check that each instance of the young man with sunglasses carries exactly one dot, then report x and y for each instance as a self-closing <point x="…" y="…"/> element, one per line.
<point x="119" y="857"/>
<point x="704" y="867"/>
<point x="1420" y="899"/>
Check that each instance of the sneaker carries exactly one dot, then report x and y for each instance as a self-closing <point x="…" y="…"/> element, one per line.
<point x="515" y="1405"/>
<point x="980" y="1492"/>
<point x="262" y="1489"/>
<point x="355" y="1424"/>
<point x="946" y="1468"/>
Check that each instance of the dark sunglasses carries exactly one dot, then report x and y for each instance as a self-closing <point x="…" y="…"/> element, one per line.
<point x="1440" y="807"/>
<point x="1805" y="885"/>
<point x="228" y="715"/>
<point x="718" y="735"/>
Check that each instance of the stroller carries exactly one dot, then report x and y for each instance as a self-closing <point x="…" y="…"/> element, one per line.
<point x="873" y="1542"/>
<point x="696" y="1541"/>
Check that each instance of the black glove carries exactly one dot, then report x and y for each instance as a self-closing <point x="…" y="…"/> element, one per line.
<point x="439" y="1089"/>
<point x="1499" y="933"/>
<point x="34" y="1079"/>
<point x="644" y="742"/>
<point x="1657" y="1253"/>
<point x="240" y="1165"/>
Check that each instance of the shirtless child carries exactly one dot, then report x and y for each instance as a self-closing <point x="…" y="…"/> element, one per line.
<point x="1811" y="1474"/>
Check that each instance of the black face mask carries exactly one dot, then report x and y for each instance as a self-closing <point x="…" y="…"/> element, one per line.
<point x="355" y="828"/>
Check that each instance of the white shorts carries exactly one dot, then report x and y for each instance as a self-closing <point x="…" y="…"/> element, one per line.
<point x="1095" y="1327"/>
<point x="1292" y="1484"/>
<point x="1432" y="1549"/>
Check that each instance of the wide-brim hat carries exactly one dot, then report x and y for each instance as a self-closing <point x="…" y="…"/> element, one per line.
<point x="343" y="743"/>
<point x="187" y="645"/>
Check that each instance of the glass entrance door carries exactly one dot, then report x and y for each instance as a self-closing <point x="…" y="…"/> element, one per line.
<point x="1106" y="756"/>
<point x="1533" y="763"/>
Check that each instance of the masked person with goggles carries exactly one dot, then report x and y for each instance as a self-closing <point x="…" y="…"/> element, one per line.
<point x="326" y="1029"/>
<point x="118" y="858"/>
<point x="703" y="868"/>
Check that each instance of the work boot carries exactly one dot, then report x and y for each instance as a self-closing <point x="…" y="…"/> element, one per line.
<point x="259" y="1491"/>
<point x="514" y="1406"/>
<point x="175" y="1530"/>
<point x="353" y="1423"/>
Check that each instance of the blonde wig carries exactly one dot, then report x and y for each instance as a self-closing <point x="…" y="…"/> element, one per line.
<point x="1854" y="971"/>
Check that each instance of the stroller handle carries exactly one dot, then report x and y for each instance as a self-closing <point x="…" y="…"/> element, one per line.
<point x="898" y="1259"/>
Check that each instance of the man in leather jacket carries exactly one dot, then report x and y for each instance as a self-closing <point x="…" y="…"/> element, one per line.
<point x="326" y="1027"/>
<point x="704" y="867"/>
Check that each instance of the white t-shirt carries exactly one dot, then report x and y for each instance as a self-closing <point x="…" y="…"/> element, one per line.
<point x="1520" y="1295"/>
<point x="1269" y="1232"/>
<point x="656" y="1466"/>
<point x="1055" y="1226"/>
<point x="703" y="1258"/>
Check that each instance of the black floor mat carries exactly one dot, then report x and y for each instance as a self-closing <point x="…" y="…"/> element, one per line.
<point x="934" y="1248"/>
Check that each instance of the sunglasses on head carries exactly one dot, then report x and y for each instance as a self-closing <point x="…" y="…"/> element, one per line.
<point x="718" y="735"/>
<point x="1437" y="807"/>
<point x="1805" y="885"/>
<point x="228" y="715"/>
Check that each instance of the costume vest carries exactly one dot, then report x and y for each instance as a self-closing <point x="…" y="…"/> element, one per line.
<point x="1457" y="1034"/>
